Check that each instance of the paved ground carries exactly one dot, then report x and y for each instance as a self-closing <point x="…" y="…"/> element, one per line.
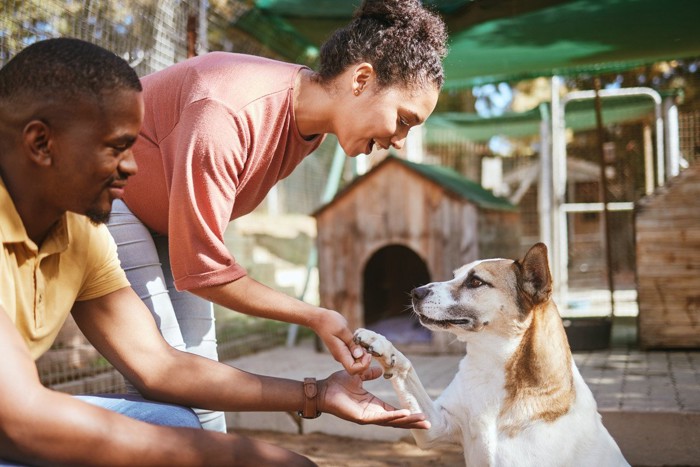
<point x="650" y="401"/>
<point x="344" y="451"/>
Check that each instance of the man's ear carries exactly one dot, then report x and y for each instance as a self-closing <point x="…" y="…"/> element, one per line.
<point x="362" y="75"/>
<point x="537" y="280"/>
<point x="37" y="140"/>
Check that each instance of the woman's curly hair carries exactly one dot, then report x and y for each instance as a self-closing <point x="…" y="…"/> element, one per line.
<point x="401" y="39"/>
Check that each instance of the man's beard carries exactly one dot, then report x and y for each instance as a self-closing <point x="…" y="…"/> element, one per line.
<point x="97" y="217"/>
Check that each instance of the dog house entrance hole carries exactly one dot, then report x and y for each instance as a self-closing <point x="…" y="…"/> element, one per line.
<point x="389" y="276"/>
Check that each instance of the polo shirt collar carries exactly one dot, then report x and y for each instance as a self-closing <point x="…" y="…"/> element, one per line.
<point x="12" y="229"/>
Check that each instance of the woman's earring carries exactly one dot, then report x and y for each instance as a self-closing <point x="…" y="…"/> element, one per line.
<point x="357" y="92"/>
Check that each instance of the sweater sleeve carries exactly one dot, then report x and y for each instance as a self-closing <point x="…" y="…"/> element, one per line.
<point x="211" y="150"/>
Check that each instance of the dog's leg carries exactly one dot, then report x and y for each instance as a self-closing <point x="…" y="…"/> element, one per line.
<point x="412" y="395"/>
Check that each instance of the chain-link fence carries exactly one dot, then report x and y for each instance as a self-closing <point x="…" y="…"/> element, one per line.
<point x="149" y="34"/>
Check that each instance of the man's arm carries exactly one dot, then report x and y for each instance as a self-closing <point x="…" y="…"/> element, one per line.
<point x="44" y="427"/>
<point x="122" y="329"/>
<point x="249" y="296"/>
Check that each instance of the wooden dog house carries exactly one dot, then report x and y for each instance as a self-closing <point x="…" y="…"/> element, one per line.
<point x="399" y="226"/>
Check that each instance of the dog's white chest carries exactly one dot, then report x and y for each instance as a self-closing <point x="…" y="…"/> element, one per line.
<point x="474" y="400"/>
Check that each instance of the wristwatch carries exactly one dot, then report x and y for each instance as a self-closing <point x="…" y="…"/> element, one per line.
<point x="310" y="399"/>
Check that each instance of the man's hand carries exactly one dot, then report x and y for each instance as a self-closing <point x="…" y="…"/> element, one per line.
<point x="333" y="330"/>
<point x="342" y="395"/>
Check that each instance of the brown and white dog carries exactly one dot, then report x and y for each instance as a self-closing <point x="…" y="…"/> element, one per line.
<point x="518" y="398"/>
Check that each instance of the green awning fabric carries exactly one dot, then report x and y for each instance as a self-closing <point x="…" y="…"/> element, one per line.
<point x="296" y="28"/>
<point x="580" y="115"/>
<point x="507" y="40"/>
<point x="582" y="36"/>
<point x="468" y="126"/>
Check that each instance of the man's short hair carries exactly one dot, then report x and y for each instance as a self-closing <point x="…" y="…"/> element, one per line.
<point x="62" y="69"/>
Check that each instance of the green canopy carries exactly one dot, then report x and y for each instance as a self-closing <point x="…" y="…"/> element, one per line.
<point x="580" y="115"/>
<point x="296" y="28"/>
<point x="502" y="40"/>
<point x="581" y="36"/>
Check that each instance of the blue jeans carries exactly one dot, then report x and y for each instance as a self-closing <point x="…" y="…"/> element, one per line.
<point x="185" y="320"/>
<point x="133" y="406"/>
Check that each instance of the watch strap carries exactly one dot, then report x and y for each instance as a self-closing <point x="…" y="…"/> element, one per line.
<point x="310" y="399"/>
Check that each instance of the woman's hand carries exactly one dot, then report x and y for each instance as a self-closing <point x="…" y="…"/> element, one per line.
<point x="333" y="330"/>
<point x="342" y="395"/>
<point x="250" y="297"/>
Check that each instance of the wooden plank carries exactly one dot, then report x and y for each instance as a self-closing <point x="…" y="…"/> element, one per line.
<point x="661" y="308"/>
<point x="663" y="253"/>
<point x="661" y="223"/>
<point x="668" y="254"/>
<point x="660" y="236"/>
<point x="672" y="331"/>
<point x="659" y="304"/>
<point x="691" y="321"/>
<point x="660" y="275"/>
<point x="670" y="207"/>
<point x="654" y="342"/>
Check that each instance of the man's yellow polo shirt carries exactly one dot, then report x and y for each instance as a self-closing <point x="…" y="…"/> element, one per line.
<point x="38" y="286"/>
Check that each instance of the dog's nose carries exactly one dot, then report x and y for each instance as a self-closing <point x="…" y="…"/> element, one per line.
<point x="420" y="293"/>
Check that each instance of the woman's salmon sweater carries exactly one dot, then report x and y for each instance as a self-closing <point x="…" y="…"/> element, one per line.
<point x="219" y="132"/>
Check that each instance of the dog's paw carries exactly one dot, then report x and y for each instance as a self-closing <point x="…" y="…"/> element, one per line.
<point x="383" y="350"/>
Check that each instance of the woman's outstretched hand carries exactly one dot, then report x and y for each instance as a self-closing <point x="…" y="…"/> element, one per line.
<point x="333" y="330"/>
<point x="342" y="395"/>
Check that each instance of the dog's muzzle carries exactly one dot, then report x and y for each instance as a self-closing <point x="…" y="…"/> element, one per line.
<point x="421" y="293"/>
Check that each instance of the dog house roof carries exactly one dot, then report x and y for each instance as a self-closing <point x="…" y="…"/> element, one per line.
<point x="445" y="177"/>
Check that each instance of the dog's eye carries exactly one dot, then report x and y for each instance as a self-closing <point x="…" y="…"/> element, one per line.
<point x="474" y="282"/>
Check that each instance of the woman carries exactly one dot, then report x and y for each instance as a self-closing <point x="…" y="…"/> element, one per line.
<point x="221" y="129"/>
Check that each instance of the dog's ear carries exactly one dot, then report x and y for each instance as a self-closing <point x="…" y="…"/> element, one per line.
<point x="536" y="278"/>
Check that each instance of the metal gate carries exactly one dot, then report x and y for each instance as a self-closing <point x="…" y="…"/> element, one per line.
<point x="593" y="196"/>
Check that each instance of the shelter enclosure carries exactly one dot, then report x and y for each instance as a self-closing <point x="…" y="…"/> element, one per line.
<point x="491" y="41"/>
<point x="511" y="40"/>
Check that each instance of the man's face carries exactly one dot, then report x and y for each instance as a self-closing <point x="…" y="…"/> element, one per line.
<point x="92" y="156"/>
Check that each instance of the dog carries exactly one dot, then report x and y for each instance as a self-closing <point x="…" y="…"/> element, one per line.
<point x="518" y="398"/>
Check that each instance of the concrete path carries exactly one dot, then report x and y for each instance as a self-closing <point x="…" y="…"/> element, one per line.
<point x="650" y="401"/>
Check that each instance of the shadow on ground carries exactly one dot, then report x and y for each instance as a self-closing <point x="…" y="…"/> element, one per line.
<point x="337" y="451"/>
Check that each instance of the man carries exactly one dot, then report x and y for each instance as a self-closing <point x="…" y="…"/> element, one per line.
<point x="69" y="113"/>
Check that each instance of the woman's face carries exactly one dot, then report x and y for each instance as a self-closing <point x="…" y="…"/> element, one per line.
<point x="381" y="118"/>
